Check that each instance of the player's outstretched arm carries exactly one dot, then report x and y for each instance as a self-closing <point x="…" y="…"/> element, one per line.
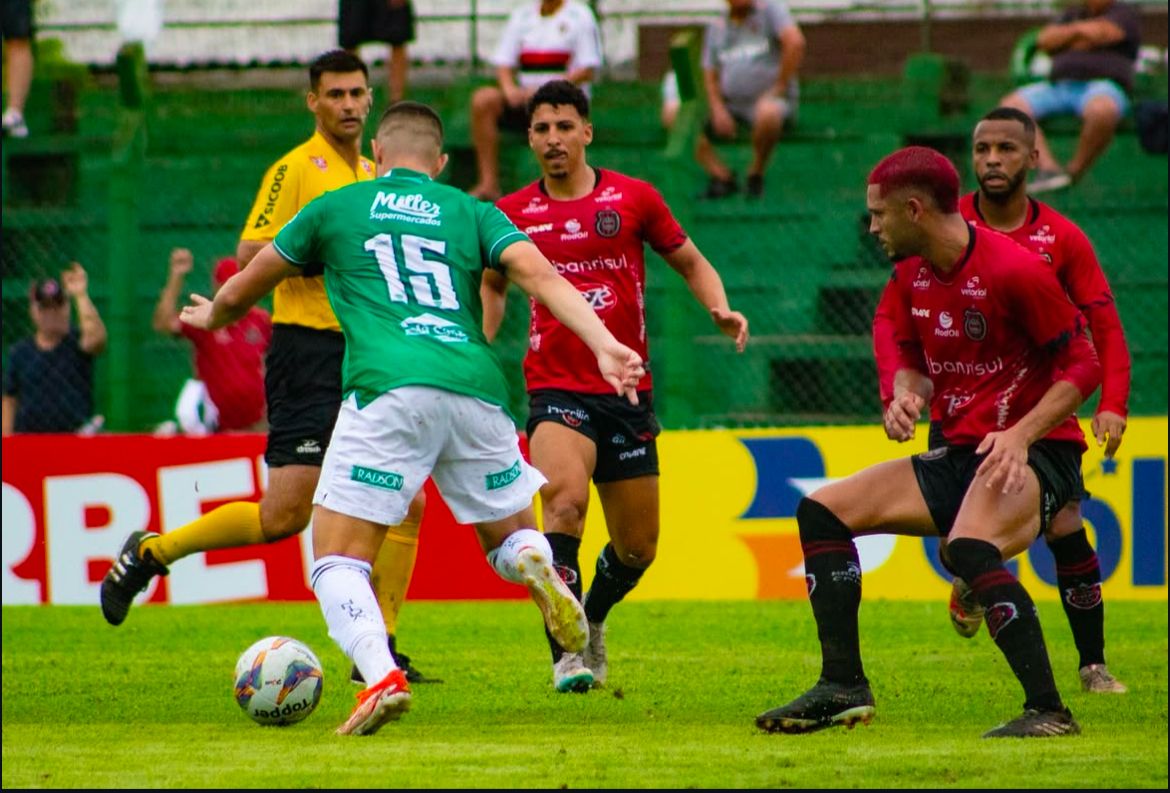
<point x="493" y="293"/>
<point x="705" y="284"/>
<point x="267" y="269"/>
<point x="527" y="267"/>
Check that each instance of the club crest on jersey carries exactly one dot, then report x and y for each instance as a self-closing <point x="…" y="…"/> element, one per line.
<point x="1000" y="616"/>
<point x="974" y="324"/>
<point x="320" y="163"/>
<point x="608" y="222"/>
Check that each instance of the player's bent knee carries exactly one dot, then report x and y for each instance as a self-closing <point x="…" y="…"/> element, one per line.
<point x="1066" y="522"/>
<point x="565" y="515"/>
<point x="277" y="524"/>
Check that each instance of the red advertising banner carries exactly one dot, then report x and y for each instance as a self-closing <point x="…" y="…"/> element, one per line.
<point x="69" y="502"/>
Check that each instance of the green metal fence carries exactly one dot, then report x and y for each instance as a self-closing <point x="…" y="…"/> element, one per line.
<point x="181" y="169"/>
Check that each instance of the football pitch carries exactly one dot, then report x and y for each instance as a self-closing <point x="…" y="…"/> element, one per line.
<point x="150" y="704"/>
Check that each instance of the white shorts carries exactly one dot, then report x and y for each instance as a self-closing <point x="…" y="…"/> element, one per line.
<point x="380" y="455"/>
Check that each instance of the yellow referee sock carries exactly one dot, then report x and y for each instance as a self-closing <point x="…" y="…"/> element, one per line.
<point x="233" y="525"/>
<point x="393" y="568"/>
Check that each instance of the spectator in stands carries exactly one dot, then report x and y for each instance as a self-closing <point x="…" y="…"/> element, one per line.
<point x="228" y="362"/>
<point x="1094" y="46"/>
<point x="751" y="62"/>
<point x="543" y="40"/>
<point x="48" y="384"/>
<point x="391" y="21"/>
<point x="16" y="27"/>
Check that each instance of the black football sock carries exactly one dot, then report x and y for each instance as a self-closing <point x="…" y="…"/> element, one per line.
<point x="612" y="581"/>
<point x="566" y="549"/>
<point x="945" y="560"/>
<point x="1011" y="619"/>
<point x="1078" y="576"/>
<point x="832" y="572"/>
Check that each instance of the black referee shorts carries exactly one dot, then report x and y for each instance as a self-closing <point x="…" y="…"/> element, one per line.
<point x="946" y="473"/>
<point x="302" y="381"/>
<point x="361" y="21"/>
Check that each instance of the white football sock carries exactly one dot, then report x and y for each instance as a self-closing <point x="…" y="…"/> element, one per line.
<point x="503" y="558"/>
<point x="342" y="587"/>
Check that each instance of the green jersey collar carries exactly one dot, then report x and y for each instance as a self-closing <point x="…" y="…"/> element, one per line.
<point x="406" y="173"/>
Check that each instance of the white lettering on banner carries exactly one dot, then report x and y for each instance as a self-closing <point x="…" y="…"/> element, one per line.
<point x="71" y="545"/>
<point x="20" y="535"/>
<point x="183" y="489"/>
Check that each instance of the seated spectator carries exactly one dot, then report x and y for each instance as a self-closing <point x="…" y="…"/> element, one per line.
<point x="228" y="393"/>
<point x="48" y="384"/>
<point x="1093" y="46"/>
<point x="17" y="30"/>
<point x="543" y="40"/>
<point x="751" y="62"/>
<point x="389" y="21"/>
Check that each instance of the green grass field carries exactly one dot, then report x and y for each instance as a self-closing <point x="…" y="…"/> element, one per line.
<point x="150" y="704"/>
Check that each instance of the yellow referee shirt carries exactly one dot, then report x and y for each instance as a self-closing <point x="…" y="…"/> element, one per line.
<point x="294" y="180"/>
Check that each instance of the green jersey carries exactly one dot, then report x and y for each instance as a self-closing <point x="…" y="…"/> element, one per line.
<point x="403" y="258"/>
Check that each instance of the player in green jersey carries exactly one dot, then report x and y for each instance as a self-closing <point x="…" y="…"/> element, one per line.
<point x="424" y="392"/>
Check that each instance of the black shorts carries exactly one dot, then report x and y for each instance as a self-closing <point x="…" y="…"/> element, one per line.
<point x="935" y="439"/>
<point x="514" y="119"/>
<point x="302" y="381"/>
<point x="945" y="474"/>
<point x="623" y="433"/>
<point x="16" y="19"/>
<point x="361" y="21"/>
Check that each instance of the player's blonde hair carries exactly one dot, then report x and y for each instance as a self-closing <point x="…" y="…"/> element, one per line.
<point x="411" y="127"/>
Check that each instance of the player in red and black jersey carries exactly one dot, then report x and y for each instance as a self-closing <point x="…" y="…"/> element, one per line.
<point x="1004" y="365"/>
<point x="1004" y="152"/>
<point x="591" y="223"/>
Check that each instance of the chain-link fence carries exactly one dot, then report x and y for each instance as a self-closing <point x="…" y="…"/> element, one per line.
<point x="798" y="261"/>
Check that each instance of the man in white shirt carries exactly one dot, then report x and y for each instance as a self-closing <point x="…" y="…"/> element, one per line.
<point x="543" y="40"/>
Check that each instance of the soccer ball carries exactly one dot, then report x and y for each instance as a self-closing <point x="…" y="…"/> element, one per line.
<point x="278" y="681"/>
